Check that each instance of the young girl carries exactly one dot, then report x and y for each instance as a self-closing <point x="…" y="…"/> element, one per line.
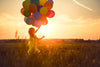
<point x="33" y="41"/>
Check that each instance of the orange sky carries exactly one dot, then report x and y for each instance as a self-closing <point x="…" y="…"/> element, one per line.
<point x="74" y="19"/>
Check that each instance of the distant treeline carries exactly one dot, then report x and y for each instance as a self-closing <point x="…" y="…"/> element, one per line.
<point x="52" y="40"/>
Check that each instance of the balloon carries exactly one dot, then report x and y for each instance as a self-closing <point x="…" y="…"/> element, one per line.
<point x="37" y="15"/>
<point x="45" y="22"/>
<point x="25" y="18"/>
<point x="22" y="10"/>
<point x="50" y="14"/>
<point x="37" y="23"/>
<point x="26" y="4"/>
<point x="43" y="18"/>
<point x="35" y="2"/>
<point x="32" y="17"/>
<point x="29" y="21"/>
<point x="26" y="13"/>
<point x="39" y="6"/>
<point x="32" y="8"/>
<point x="48" y="5"/>
<point x="43" y="11"/>
<point x="42" y="2"/>
<point x="51" y="1"/>
<point x="28" y="0"/>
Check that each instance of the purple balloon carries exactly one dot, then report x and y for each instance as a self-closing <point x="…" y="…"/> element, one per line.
<point x="51" y="1"/>
<point x="37" y="15"/>
<point x="37" y="23"/>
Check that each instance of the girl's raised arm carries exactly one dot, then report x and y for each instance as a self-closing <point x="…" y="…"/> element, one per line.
<point x="37" y="29"/>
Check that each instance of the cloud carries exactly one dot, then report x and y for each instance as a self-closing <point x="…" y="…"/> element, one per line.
<point x="82" y="5"/>
<point x="9" y="19"/>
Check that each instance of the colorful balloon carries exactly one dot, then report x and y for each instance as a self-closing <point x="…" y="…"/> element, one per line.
<point x="29" y="21"/>
<point x="51" y="1"/>
<point x="50" y="14"/>
<point x="28" y="0"/>
<point x="26" y="4"/>
<point x="37" y="15"/>
<point x="45" y="22"/>
<point x="48" y="5"/>
<point x="22" y="10"/>
<point x="35" y="2"/>
<point x="32" y="8"/>
<point x="43" y="11"/>
<point x="26" y="13"/>
<point x="39" y="7"/>
<point x="37" y="23"/>
<point x="42" y="2"/>
<point x="37" y="11"/>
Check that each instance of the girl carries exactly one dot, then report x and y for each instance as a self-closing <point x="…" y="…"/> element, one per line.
<point x="33" y="41"/>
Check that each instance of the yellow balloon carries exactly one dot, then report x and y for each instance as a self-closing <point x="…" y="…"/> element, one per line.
<point x="43" y="11"/>
<point x="42" y="2"/>
<point x="26" y="4"/>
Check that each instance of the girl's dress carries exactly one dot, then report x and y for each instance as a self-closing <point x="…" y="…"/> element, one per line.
<point x="32" y="45"/>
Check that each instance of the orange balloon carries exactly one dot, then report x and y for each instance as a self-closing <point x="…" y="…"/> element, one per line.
<point x="32" y="8"/>
<point x="48" y="5"/>
<point x="22" y="10"/>
<point x="44" y="20"/>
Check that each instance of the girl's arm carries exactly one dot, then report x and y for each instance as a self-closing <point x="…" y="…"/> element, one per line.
<point x="41" y="37"/>
<point x="37" y="29"/>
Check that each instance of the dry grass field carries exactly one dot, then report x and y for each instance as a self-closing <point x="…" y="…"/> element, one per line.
<point x="52" y="54"/>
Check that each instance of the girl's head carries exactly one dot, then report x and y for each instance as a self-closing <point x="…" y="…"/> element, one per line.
<point x="31" y="31"/>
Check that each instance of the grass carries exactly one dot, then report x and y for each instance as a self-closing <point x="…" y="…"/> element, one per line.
<point x="53" y="54"/>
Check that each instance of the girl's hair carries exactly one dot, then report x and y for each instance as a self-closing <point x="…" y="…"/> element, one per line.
<point x="31" y="31"/>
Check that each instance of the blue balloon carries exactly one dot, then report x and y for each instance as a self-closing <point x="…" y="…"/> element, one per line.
<point x="39" y="7"/>
<point x="35" y="2"/>
<point x="29" y="21"/>
<point x="37" y="16"/>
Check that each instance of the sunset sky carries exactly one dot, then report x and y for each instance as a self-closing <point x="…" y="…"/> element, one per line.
<point x="74" y="19"/>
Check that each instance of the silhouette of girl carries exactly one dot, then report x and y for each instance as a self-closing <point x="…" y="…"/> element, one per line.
<point x="33" y="41"/>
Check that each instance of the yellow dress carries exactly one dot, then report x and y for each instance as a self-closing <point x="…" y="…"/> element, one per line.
<point x="32" y="45"/>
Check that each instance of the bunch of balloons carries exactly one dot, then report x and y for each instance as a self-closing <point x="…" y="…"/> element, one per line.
<point x="36" y="12"/>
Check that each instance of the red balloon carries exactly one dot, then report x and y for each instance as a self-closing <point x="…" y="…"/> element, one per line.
<point x="50" y="14"/>
<point x="22" y="10"/>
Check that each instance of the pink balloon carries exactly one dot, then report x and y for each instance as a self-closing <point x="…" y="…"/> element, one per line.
<point x="37" y="23"/>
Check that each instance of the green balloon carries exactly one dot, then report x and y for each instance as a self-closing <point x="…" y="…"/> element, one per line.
<point x="26" y="4"/>
<point x="28" y="0"/>
<point x="27" y="13"/>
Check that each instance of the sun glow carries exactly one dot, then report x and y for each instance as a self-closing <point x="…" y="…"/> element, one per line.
<point x="46" y="30"/>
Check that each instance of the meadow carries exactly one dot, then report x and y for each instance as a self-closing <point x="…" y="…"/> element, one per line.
<point x="52" y="54"/>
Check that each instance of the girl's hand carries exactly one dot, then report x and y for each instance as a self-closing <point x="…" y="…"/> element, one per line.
<point x="43" y="36"/>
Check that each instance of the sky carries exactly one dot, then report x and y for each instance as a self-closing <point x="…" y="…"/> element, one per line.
<point x="74" y="19"/>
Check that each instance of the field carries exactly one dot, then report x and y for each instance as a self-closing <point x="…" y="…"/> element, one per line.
<point x="52" y="54"/>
